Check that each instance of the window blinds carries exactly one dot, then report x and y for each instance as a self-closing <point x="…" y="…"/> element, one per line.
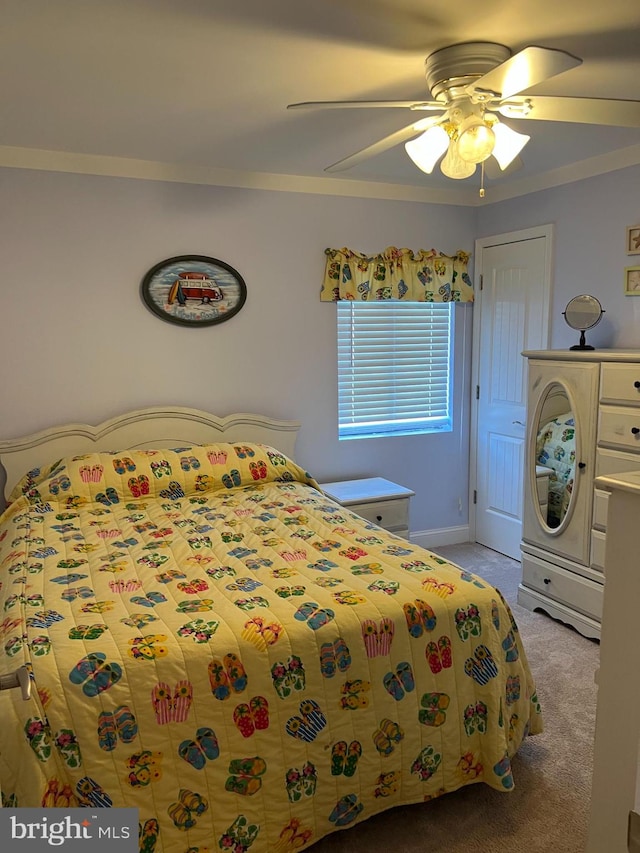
<point x="394" y="368"/>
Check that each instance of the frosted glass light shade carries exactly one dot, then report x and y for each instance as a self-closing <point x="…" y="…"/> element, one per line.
<point x="475" y="140"/>
<point x="453" y="166"/>
<point x="508" y="145"/>
<point x="427" y="148"/>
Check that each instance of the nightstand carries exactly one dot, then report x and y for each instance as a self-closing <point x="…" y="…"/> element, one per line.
<point x="376" y="499"/>
<point x="542" y="488"/>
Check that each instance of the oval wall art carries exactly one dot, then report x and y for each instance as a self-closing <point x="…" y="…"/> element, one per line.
<point x="194" y="290"/>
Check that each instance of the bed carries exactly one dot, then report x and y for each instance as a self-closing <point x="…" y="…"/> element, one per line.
<point x="208" y="638"/>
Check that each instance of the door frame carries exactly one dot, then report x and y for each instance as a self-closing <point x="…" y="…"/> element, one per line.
<point x="546" y="231"/>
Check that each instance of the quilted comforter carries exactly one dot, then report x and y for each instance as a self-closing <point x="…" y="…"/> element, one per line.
<point x="213" y="641"/>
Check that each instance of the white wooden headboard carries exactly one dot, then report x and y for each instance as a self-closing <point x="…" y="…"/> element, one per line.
<point x="158" y="427"/>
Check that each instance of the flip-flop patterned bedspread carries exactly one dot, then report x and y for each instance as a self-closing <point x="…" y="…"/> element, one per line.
<point x="252" y="666"/>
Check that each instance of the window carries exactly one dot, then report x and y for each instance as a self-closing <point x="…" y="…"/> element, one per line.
<point x="394" y="368"/>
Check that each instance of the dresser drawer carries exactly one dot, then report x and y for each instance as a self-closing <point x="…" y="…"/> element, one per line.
<point x="620" y="383"/>
<point x="392" y="514"/>
<point x="598" y="539"/>
<point x="615" y="462"/>
<point x="560" y="585"/>
<point x="617" y="427"/>
<point x="600" y="506"/>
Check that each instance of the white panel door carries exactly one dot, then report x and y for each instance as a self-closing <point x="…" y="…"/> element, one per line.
<point x="514" y="309"/>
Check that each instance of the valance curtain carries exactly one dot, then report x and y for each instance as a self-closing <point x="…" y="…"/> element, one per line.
<point x="399" y="274"/>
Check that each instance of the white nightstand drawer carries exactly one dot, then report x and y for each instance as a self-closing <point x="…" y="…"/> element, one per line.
<point x="542" y="483"/>
<point x="391" y="514"/>
<point x="620" y="382"/>
<point x="376" y="499"/>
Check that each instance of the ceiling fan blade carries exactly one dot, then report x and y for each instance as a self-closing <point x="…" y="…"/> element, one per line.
<point x="342" y="105"/>
<point x="575" y="110"/>
<point x="525" y="69"/>
<point x="402" y="135"/>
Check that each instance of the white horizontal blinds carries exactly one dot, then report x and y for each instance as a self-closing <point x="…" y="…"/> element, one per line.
<point x="394" y="367"/>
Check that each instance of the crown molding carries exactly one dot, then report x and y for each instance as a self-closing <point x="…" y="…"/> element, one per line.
<point x="150" y="170"/>
<point x="579" y="171"/>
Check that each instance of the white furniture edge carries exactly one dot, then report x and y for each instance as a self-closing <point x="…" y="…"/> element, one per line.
<point x="608" y="354"/>
<point x="615" y="757"/>
<point x="155" y="427"/>
<point x="532" y="600"/>
<point x="365" y="490"/>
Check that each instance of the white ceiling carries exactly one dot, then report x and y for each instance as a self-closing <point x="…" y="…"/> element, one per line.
<point x="199" y="88"/>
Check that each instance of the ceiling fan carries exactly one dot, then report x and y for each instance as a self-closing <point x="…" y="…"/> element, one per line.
<point x="473" y="84"/>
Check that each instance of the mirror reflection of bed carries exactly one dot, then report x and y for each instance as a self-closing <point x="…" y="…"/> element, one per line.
<point x="555" y="456"/>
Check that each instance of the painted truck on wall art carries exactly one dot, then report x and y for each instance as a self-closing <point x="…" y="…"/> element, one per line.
<point x="194" y="285"/>
<point x="194" y="290"/>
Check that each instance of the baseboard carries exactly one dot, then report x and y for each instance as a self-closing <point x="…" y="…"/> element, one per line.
<point x="443" y="536"/>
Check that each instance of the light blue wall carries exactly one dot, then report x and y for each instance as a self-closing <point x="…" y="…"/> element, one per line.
<point x="590" y="219"/>
<point x="78" y="344"/>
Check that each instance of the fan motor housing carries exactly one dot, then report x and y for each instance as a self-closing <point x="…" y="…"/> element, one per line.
<point x="450" y="69"/>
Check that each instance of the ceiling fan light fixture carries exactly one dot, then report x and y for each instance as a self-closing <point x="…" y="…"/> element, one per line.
<point x="472" y="81"/>
<point x="475" y="139"/>
<point x="508" y="144"/>
<point x="426" y="149"/>
<point x="453" y="166"/>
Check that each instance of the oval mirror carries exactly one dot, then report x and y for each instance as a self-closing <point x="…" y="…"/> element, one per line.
<point x="582" y="313"/>
<point x="554" y="456"/>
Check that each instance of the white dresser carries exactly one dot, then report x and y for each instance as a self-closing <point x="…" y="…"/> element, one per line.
<point x="563" y="552"/>
<point x="615" y="794"/>
<point x="376" y="499"/>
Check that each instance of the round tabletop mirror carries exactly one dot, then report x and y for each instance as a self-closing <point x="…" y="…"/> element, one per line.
<point x="582" y="313"/>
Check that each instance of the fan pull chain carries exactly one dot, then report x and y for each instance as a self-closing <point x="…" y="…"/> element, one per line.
<point x="482" y="179"/>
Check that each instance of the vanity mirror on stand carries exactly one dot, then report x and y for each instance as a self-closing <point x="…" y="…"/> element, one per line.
<point x="582" y="313"/>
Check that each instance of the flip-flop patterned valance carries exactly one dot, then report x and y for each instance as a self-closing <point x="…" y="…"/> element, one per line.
<point x="426" y="276"/>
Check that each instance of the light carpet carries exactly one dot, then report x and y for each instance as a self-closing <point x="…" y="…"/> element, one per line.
<point x="549" y="807"/>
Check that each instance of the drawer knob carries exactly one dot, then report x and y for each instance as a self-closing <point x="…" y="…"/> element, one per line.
<point x="582" y="464"/>
<point x="379" y="518"/>
<point x="547" y="580"/>
<point x="636" y="384"/>
<point x="635" y="430"/>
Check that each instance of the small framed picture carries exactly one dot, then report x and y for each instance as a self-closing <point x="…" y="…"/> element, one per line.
<point x="194" y="290"/>
<point x="633" y="240"/>
<point x="632" y="281"/>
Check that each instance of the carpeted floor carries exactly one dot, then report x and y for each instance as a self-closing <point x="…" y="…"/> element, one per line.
<point x="549" y="806"/>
